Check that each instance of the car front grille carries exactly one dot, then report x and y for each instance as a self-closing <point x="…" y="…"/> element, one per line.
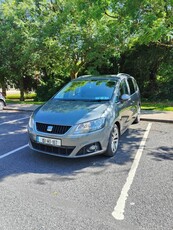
<point x="55" y="129"/>
<point x="64" y="151"/>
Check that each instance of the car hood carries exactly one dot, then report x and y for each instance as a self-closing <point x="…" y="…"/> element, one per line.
<point x="69" y="112"/>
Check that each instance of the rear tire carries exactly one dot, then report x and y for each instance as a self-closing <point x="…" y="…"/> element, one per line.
<point x="137" y="119"/>
<point x="113" y="142"/>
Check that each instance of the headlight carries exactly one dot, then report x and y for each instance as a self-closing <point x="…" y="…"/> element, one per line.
<point x="31" y="122"/>
<point x="90" y="126"/>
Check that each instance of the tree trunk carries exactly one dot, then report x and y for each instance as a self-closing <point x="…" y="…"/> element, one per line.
<point x="73" y="75"/>
<point x="153" y="79"/>
<point x="22" y="92"/>
<point x="3" y="85"/>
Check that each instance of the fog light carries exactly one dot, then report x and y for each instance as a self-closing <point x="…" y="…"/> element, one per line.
<point x="93" y="148"/>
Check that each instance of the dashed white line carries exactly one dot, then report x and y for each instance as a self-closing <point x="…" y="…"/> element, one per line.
<point x="119" y="209"/>
<point x="13" y="121"/>
<point x="13" y="151"/>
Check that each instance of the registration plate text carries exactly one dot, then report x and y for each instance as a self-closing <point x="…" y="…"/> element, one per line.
<point x="48" y="141"/>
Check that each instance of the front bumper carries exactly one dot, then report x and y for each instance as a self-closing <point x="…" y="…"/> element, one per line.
<point x="72" y="146"/>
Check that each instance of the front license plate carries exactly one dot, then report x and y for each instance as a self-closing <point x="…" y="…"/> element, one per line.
<point x="48" y="141"/>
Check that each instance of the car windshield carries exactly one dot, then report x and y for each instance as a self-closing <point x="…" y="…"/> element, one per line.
<point x="87" y="90"/>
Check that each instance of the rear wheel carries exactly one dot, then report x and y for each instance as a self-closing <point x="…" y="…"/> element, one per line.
<point x="113" y="142"/>
<point x="137" y="119"/>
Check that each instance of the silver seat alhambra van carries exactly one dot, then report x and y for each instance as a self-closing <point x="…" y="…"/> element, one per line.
<point x="86" y="117"/>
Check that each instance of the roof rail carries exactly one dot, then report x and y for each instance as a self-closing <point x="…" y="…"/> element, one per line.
<point x="83" y="76"/>
<point x="126" y="74"/>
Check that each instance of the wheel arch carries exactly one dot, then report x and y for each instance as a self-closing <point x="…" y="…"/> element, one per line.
<point x="119" y="127"/>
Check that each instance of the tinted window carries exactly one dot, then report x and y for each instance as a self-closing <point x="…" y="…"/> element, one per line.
<point x="123" y="88"/>
<point x="135" y="85"/>
<point x="87" y="90"/>
<point x="131" y="85"/>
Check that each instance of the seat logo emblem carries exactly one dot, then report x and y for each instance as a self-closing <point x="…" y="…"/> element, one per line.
<point x="49" y="128"/>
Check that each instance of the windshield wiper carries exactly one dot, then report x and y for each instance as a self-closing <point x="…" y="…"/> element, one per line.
<point x="81" y="99"/>
<point x="66" y="99"/>
<point x="96" y="100"/>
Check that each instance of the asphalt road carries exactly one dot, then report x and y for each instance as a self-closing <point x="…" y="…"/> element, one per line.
<point x="130" y="191"/>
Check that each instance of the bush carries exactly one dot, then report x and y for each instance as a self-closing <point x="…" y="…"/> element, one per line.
<point x="49" y="87"/>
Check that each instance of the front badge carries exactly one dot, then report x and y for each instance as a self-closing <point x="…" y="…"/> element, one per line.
<point x="49" y="128"/>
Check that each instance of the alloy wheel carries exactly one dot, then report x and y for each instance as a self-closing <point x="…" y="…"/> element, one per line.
<point x="114" y="139"/>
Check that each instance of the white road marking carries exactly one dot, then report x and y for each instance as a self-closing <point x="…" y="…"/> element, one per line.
<point x="15" y="132"/>
<point x="13" y="121"/>
<point x="13" y="151"/>
<point x="119" y="209"/>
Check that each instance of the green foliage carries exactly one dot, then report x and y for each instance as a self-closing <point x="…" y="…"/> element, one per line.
<point x="48" y="87"/>
<point x="148" y="65"/>
<point x="144" y="21"/>
<point x="45" y="43"/>
<point x="17" y="44"/>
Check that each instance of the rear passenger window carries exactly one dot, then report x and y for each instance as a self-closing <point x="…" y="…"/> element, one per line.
<point x="131" y="85"/>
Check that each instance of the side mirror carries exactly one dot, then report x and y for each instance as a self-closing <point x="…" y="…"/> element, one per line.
<point x="125" y="97"/>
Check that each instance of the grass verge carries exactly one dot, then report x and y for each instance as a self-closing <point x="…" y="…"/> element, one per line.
<point x="30" y="102"/>
<point x="16" y="96"/>
<point x="159" y="106"/>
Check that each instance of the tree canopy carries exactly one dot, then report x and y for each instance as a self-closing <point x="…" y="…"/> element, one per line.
<point x="44" y="43"/>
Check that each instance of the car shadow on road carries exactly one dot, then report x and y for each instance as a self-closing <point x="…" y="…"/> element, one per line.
<point x="67" y="169"/>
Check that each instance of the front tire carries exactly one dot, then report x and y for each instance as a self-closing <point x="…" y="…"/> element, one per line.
<point x="113" y="142"/>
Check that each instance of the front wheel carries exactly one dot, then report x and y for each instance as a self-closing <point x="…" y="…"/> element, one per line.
<point x="113" y="142"/>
